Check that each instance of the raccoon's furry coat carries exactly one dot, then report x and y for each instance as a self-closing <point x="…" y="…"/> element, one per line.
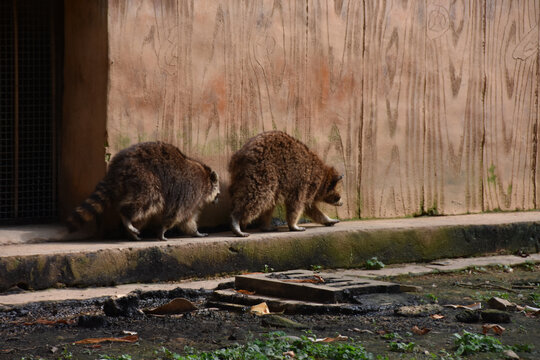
<point x="273" y="166"/>
<point x="152" y="182"/>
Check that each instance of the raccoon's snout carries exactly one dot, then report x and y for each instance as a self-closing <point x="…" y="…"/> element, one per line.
<point x="338" y="203"/>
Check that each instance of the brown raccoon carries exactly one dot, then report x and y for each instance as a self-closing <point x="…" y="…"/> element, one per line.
<point x="274" y="166"/>
<point x="152" y="182"/>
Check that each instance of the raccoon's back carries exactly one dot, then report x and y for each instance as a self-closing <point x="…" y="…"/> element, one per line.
<point x="273" y="149"/>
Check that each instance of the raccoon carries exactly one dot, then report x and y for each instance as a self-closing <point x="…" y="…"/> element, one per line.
<point x="152" y="183"/>
<point x="274" y="166"/>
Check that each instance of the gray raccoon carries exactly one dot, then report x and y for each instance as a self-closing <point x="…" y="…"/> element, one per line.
<point x="273" y="166"/>
<point x="152" y="182"/>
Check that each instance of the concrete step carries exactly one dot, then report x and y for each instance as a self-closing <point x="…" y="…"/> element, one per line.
<point x="84" y="263"/>
<point x="438" y="266"/>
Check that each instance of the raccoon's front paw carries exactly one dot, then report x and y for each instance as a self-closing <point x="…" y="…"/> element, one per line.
<point x="198" y="234"/>
<point x="331" y="222"/>
<point x="297" y="228"/>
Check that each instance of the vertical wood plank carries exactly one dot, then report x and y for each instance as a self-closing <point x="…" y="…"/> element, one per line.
<point x="392" y="144"/>
<point x="453" y="107"/>
<point x="511" y="64"/>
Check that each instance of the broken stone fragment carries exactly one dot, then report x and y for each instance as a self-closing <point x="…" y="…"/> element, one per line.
<point x="495" y="316"/>
<point x="501" y="304"/>
<point x="418" y="310"/>
<point x="468" y="316"/>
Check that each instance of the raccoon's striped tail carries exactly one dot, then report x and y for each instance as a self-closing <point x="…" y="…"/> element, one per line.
<point x="94" y="205"/>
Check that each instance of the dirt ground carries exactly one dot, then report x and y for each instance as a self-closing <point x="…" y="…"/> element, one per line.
<point x="22" y="336"/>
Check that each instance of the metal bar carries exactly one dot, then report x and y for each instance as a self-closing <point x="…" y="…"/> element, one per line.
<point x="16" y="110"/>
<point x="52" y="23"/>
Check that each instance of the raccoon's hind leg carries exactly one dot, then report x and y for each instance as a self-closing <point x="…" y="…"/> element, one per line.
<point x="266" y="221"/>
<point x="318" y="216"/>
<point x="189" y="227"/>
<point x="294" y="211"/>
<point x="236" y="228"/>
<point x="138" y="213"/>
<point x="133" y="231"/>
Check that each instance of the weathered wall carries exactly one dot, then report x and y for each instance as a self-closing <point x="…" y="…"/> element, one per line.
<point x="425" y="106"/>
<point x="83" y="127"/>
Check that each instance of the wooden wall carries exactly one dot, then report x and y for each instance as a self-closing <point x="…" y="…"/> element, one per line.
<point x="426" y="106"/>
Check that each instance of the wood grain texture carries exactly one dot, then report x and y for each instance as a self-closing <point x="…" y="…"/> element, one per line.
<point x="393" y="128"/>
<point x="453" y="107"/>
<point x="399" y="95"/>
<point x="511" y="65"/>
<point x="208" y="75"/>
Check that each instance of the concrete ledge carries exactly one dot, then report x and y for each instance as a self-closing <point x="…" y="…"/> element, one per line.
<point x="347" y="245"/>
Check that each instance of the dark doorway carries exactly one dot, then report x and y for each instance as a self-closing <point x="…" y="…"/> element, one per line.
<point x="30" y="70"/>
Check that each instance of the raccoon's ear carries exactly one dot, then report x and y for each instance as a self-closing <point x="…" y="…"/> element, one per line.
<point x="334" y="181"/>
<point x="213" y="177"/>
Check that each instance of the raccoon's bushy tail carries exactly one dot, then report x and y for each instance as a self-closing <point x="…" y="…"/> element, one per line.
<point x="94" y="205"/>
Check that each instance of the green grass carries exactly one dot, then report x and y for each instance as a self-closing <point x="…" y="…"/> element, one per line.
<point x="471" y="343"/>
<point x="374" y="264"/>
<point x="274" y="346"/>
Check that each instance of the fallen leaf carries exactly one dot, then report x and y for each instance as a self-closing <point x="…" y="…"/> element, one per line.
<point x="175" y="306"/>
<point x="260" y="309"/>
<point x="437" y="316"/>
<point x="423" y="331"/>
<point x="497" y="329"/>
<point x="245" y="292"/>
<point x="329" y="339"/>
<point x="289" y="354"/>
<point x="475" y="306"/>
<point x="382" y="332"/>
<point x="125" y="339"/>
<point x="6" y="351"/>
<point x="50" y="322"/>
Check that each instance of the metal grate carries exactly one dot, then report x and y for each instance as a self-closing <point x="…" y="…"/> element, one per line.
<point x="27" y="76"/>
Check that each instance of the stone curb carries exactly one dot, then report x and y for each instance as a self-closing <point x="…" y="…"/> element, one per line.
<point x="347" y="245"/>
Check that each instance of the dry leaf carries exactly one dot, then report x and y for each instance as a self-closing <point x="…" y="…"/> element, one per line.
<point x="245" y="292"/>
<point x="475" y="306"/>
<point x="423" y="331"/>
<point x="437" y="316"/>
<point x="261" y="309"/>
<point x="50" y="322"/>
<point x="176" y="306"/>
<point x="497" y="329"/>
<point x="329" y="339"/>
<point x="289" y="354"/>
<point x="125" y="339"/>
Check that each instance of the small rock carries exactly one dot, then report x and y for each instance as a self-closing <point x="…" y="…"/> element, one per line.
<point x="124" y="306"/>
<point x="501" y="304"/>
<point x="418" y="310"/>
<point x="495" y="316"/>
<point x="468" y="316"/>
<point x="91" y="321"/>
<point x="510" y="354"/>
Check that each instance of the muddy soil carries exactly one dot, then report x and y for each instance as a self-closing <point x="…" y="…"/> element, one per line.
<point x="211" y="328"/>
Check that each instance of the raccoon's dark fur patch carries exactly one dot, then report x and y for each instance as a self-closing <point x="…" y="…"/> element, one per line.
<point x="274" y="166"/>
<point x="152" y="182"/>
